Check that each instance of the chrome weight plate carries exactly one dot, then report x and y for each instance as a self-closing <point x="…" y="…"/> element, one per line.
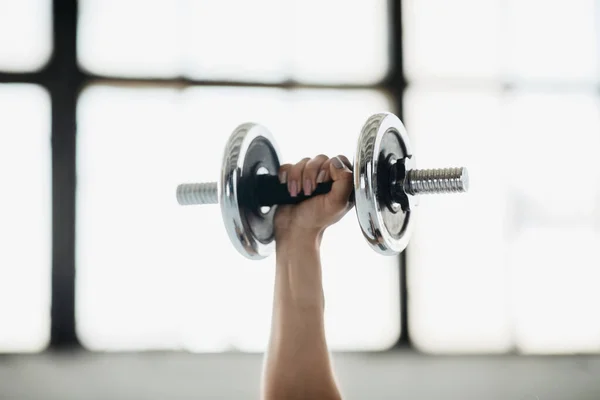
<point x="383" y="141"/>
<point x="250" y="149"/>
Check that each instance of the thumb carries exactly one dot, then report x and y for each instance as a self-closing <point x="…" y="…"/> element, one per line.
<point x="342" y="186"/>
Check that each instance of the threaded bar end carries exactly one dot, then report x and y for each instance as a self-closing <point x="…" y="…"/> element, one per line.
<point x="197" y="193"/>
<point x="432" y="181"/>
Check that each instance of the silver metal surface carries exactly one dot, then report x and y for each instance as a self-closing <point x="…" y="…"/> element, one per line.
<point x="235" y="216"/>
<point x="383" y="135"/>
<point x="386" y="193"/>
<point x="198" y="193"/>
<point x="430" y="181"/>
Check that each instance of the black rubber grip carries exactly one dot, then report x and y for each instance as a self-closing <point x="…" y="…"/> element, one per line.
<point x="268" y="191"/>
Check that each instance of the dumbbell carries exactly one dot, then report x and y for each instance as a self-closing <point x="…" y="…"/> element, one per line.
<point x="386" y="186"/>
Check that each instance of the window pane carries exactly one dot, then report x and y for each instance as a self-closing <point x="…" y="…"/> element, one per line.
<point x="452" y="39"/>
<point x="339" y="41"/>
<point x="514" y="261"/>
<point x="143" y="285"/>
<point x="25" y="34"/>
<point x="129" y="37"/>
<point x="25" y="172"/>
<point x="514" y="39"/>
<point x="554" y="231"/>
<point x="457" y="274"/>
<point x="236" y="40"/>
<point x="128" y="265"/>
<point x="554" y="40"/>
<point x="263" y="40"/>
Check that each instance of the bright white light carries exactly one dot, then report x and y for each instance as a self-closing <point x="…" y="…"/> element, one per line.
<point x="129" y="37"/>
<point x="263" y="40"/>
<point x="553" y="244"/>
<point x="25" y="34"/>
<point x="555" y="289"/>
<point x="512" y="261"/>
<point x="339" y="41"/>
<point x="130" y="254"/>
<point x="556" y="144"/>
<point x="152" y="274"/>
<point x="25" y="231"/>
<point x="235" y="40"/>
<point x="555" y="40"/>
<point x="457" y="277"/>
<point x="452" y="39"/>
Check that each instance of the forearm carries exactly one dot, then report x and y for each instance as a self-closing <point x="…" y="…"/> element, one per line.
<point x="297" y="363"/>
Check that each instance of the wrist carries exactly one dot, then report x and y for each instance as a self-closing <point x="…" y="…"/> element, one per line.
<point x="299" y="240"/>
<point x="298" y="271"/>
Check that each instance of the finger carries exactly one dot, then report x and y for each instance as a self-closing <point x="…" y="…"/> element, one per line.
<point x="283" y="173"/>
<point x="295" y="177"/>
<point x="350" y="166"/>
<point x="342" y="183"/>
<point x="311" y="170"/>
<point x="346" y="161"/>
<point x="324" y="174"/>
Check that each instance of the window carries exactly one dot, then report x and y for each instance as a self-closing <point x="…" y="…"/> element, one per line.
<point x="25" y="231"/>
<point x="109" y="104"/>
<point x="496" y="86"/>
<point x="25" y="34"/>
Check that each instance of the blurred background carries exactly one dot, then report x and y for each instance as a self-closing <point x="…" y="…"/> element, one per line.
<point x="109" y="289"/>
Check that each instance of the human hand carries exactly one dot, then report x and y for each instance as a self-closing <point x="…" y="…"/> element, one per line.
<point x="312" y="216"/>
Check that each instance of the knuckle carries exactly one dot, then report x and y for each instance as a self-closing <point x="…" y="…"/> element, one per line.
<point x="315" y="162"/>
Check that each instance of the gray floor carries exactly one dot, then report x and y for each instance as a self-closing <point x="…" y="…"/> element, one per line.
<point x="395" y="375"/>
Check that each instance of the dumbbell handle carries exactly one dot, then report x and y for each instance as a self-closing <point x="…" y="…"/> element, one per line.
<point x="270" y="191"/>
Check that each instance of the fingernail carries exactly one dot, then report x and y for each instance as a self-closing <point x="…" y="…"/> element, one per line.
<point x="337" y="163"/>
<point x="321" y="176"/>
<point x="307" y="187"/>
<point x="293" y="189"/>
<point x="283" y="176"/>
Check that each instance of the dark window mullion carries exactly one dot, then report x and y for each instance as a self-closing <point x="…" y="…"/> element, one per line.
<point x="396" y="84"/>
<point x="64" y="83"/>
<point x="187" y="82"/>
<point x="24" y="77"/>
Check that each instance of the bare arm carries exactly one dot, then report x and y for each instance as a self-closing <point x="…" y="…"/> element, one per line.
<point x="297" y="363"/>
